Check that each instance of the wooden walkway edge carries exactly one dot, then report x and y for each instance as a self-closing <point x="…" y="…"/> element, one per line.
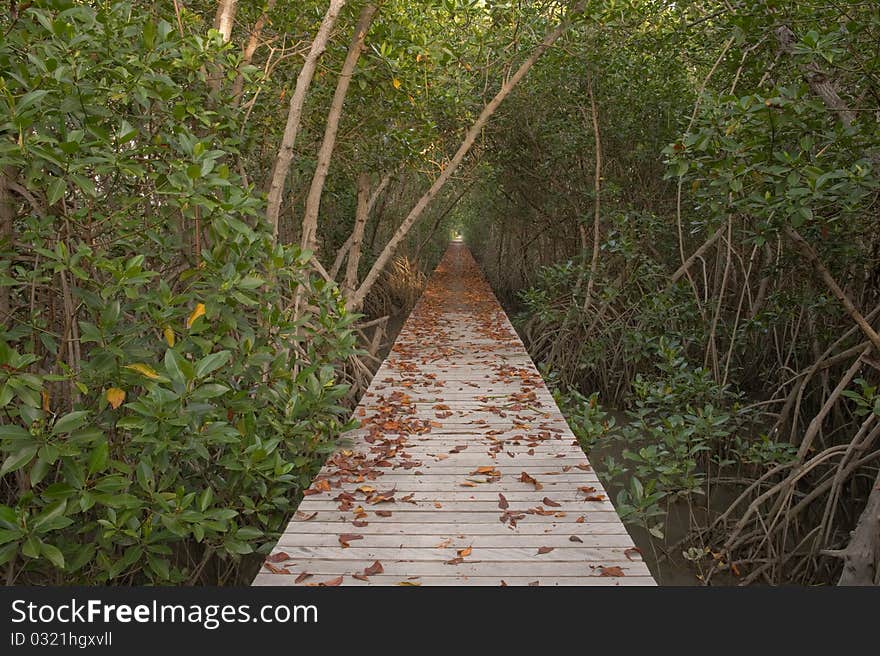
<point x="464" y="471"/>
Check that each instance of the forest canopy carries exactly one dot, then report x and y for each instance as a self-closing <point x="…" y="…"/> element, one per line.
<point x="213" y="216"/>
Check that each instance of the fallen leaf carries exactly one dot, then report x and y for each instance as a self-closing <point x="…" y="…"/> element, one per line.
<point x="278" y="557"/>
<point x="574" y="538"/>
<point x="304" y="517"/>
<point x="544" y="550"/>
<point x="580" y="520"/>
<point x="302" y="577"/>
<point x="375" y="568"/>
<point x="359" y="523"/>
<point x="525" y="478"/>
<point x="276" y="570"/>
<point x="332" y="582"/>
<point x="632" y="550"/>
<point x="550" y="502"/>
<point x="611" y="571"/>
<point x="464" y="553"/>
<point x="383" y="513"/>
<point x="502" y="502"/>
<point x="345" y="538"/>
<point x="455" y="561"/>
<point x="410" y="583"/>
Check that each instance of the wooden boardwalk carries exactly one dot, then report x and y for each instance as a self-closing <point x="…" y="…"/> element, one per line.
<point x="464" y="471"/>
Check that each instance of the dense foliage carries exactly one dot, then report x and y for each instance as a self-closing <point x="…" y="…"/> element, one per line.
<point x="161" y="408"/>
<point x="679" y="202"/>
<point x="738" y="149"/>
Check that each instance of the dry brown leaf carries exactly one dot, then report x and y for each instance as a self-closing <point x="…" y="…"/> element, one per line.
<point x="544" y="550"/>
<point x="611" y="571"/>
<point x="525" y="478"/>
<point x="631" y="551"/>
<point x="502" y="502"/>
<point x="276" y="570"/>
<point x="278" y="557"/>
<point x="550" y="502"/>
<point x="375" y="568"/>
<point x="464" y="553"/>
<point x="345" y="538"/>
<point x="302" y="577"/>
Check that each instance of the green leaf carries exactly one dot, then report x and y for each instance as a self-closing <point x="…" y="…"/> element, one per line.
<point x="13" y="432"/>
<point x="30" y="98"/>
<point x="99" y="457"/>
<point x="53" y="554"/>
<point x="248" y="533"/>
<point x="211" y="363"/>
<point x="56" y="190"/>
<point x="49" y="515"/>
<point x="205" y="498"/>
<point x="19" y="459"/>
<point x="70" y="422"/>
<point x="236" y="547"/>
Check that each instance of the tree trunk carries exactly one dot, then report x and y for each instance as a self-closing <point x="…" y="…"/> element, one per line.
<point x="597" y="187"/>
<point x="225" y="17"/>
<point x="313" y="201"/>
<point x="861" y="558"/>
<point x="248" y="53"/>
<point x="294" y="115"/>
<point x="223" y="22"/>
<point x="817" y="79"/>
<point x="357" y="235"/>
<point x="829" y="280"/>
<point x="450" y="168"/>
<point x="346" y="247"/>
<point x="7" y="216"/>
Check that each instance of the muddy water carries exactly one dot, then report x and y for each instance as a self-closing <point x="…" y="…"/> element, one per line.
<point x="664" y="558"/>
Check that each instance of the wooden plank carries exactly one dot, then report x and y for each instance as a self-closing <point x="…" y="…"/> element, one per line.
<point x="458" y="581"/>
<point x="584" y="568"/>
<point x="457" y="393"/>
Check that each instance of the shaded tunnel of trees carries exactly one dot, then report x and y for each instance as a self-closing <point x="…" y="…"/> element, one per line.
<point x="214" y="216"/>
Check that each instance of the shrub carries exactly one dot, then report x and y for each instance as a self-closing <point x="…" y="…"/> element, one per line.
<point x="162" y="405"/>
